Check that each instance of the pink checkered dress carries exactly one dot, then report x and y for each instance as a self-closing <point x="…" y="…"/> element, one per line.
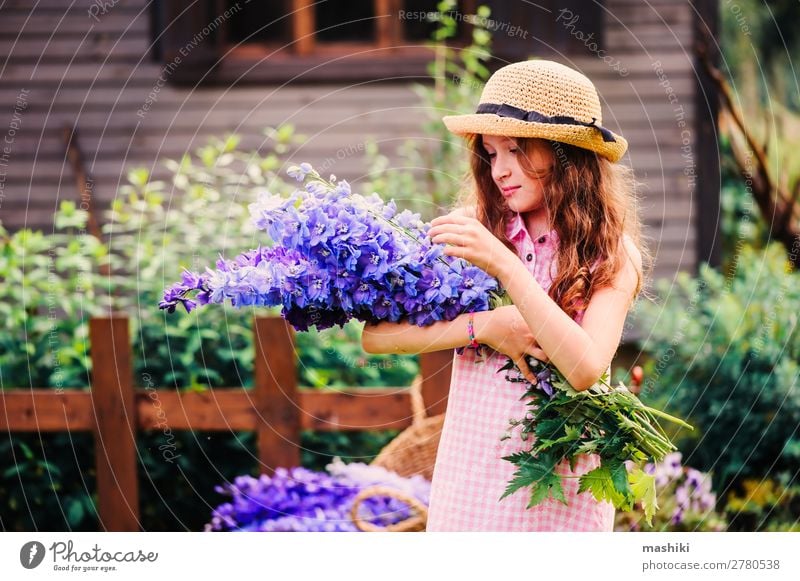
<point x="470" y="474"/>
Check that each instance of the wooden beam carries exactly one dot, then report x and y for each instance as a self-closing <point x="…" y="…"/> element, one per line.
<point x="303" y="27"/>
<point x="436" y="368"/>
<point x="276" y="398"/>
<point x="221" y="409"/>
<point x="388" y="28"/>
<point x="46" y="410"/>
<point x="84" y="183"/>
<point x="116" y="424"/>
<point x="706" y="148"/>
<point x="356" y="409"/>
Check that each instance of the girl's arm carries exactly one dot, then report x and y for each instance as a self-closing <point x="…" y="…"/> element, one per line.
<point x="502" y="329"/>
<point x="581" y="352"/>
<point x="407" y="338"/>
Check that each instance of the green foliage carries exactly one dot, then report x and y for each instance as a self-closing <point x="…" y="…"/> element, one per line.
<point x="318" y="449"/>
<point x="46" y="482"/>
<point x="766" y="30"/>
<point x="764" y="505"/>
<point x="604" y="420"/>
<point x="334" y="358"/>
<point x="725" y="354"/>
<point x="538" y="473"/>
<point x="48" y="293"/>
<point x="741" y="222"/>
<point x="156" y="230"/>
<point x="765" y="91"/>
<point x="435" y="167"/>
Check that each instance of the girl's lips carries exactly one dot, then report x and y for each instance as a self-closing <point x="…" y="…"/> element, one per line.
<point x="508" y="191"/>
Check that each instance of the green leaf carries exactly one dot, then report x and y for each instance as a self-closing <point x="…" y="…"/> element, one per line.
<point x="549" y="485"/>
<point x="138" y="176"/>
<point x="550" y="428"/>
<point x="13" y="470"/>
<point x="573" y="433"/>
<point x="601" y="485"/>
<point x="589" y="447"/>
<point x="619" y="478"/>
<point x="537" y="472"/>
<point x="643" y="486"/>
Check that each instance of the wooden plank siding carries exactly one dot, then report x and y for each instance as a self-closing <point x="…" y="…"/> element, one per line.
<point x="98" y="74"/>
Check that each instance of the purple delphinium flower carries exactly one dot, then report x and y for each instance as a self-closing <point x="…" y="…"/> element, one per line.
<point x="338" y="256"/>
<point x="543" y="381"/>
<point x="300" y="172"/>
<point x="178" y="293"/>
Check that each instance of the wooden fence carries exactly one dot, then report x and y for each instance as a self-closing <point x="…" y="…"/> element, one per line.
<point x="276" y="409"/>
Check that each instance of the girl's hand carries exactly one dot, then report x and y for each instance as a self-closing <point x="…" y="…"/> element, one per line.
<point x="467" y="238"/>
<point x="504" y="330"/>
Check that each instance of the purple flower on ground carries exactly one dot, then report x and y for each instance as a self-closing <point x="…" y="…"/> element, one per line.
<point x="298" y="499"/>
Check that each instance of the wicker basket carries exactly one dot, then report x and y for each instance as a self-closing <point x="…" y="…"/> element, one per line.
<point x="412" y="452"/>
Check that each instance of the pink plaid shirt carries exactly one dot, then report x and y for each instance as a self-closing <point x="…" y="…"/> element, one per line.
<point x="470" y="474"/>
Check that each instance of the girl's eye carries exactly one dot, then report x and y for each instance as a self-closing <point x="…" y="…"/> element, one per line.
<point x="512" y="150"/>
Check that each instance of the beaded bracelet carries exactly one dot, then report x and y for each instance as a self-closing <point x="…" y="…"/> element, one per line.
<point x="473" y="343"/>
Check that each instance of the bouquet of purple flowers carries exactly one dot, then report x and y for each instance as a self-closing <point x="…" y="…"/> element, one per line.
<point x="338" y="256"/>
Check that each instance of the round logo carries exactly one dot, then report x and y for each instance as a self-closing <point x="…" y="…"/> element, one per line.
<point x="31" y="554"/>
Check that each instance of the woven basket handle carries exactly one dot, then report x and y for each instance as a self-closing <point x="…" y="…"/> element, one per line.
<point x="413" y="523"/>
<point x="418" y="411"/>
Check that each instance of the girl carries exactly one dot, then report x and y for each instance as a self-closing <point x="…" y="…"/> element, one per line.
<point x="551" y="216"/>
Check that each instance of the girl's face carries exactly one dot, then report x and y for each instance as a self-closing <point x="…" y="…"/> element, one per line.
<point x="522" y="190"/>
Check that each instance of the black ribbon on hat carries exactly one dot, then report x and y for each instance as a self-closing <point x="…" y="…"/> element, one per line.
<point x="506" y="110"/>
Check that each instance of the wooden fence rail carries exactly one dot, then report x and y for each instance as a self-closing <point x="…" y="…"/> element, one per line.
<point x="276" y="409"/>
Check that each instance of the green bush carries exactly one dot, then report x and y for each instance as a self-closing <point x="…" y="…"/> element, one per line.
<point x="49" y="290"/>
<point x="47" y="482"/>
<point x="764" y="505"/>
<point x="725" y="355"/>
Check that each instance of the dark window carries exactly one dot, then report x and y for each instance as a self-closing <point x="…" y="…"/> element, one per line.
<point x="228" y="41"/>
<point x="344" y="21"/>
<point x="260" y="21"/>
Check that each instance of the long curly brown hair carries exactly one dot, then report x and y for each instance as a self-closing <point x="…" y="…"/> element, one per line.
<point x="593" y="202"/>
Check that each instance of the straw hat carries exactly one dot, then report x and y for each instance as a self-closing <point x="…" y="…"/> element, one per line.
<point x="539" y="98"/>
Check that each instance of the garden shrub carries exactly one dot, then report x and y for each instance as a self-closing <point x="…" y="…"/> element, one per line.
<point x="725" y="355"/>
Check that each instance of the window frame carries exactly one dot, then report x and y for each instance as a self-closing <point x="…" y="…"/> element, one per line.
<point x="389" y="57"/>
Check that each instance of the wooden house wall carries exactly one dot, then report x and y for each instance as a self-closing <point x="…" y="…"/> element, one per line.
<point x="97" y="75"/>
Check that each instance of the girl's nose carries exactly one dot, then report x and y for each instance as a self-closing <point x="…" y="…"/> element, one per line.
<point x="500" y="169"/>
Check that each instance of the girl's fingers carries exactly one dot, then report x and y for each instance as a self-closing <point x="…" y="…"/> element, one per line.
<point x="539" y="354"/>
<point x="448" y="229"/>
<point x="456" y="252"/>
<point x="524" y="369"/>
<point x="448" y="238"/>
<point x="450" y="219"/>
